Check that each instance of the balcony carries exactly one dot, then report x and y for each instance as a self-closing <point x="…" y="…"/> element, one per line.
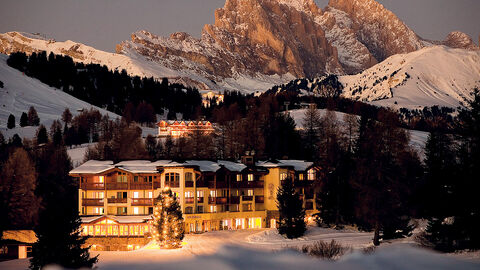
<point x="117" y="186"/>
<point x="92" y="202"/>
<point x="117" y="200"/>
<point x="172" y="184"/>
<point x="92" y="186"/>
<point x="200" y="199"/>
<point x="213" y="184"/>
<point x="141" y="186"/>
<point x="157" y="185"/>
<point x="188" y="183"/>
<point x="259" y="199"/>
<point x="189" y="200"/>
<point x="202" y="184"/>
<point x="212" y="200"/>
<point x="247" y="198"/>
<point x="142" y="202"/>
<point x="221" y="200"/>
<point x="248" y="184"/>
<point x="234" y="200"/>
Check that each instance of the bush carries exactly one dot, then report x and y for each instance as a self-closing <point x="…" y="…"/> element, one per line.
<point x="327" y="251"/>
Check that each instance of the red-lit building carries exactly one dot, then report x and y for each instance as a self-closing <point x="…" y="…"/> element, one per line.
<point x="183" y="128"/>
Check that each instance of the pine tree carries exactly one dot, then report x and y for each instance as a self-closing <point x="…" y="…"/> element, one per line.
<point x="33" y="119"/>
<point x="24" y="120"/>
<point x="11" y="121"/>
<point x="67" y="116"/>
<point x="312" y="124"/>
<point x="59" y="227"/>
<point x="168" y="226"/>
<point x="291" y="222"/>
<point x="42" y="135"/>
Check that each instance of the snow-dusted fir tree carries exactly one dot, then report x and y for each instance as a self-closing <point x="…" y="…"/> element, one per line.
<point x="167" y="224"/>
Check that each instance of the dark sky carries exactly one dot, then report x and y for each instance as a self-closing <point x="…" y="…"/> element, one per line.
<point x="104" y="23"/>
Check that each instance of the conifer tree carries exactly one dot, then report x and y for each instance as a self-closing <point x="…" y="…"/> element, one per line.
<point x="291" y="222"/>
<point x="59" y="227"/>
<point x="24" y="120"/>
<point x="168" y="226"/>
<point x="42" y="135"/>
<point x="33" y="119"/>
<point x="11" y="121"/>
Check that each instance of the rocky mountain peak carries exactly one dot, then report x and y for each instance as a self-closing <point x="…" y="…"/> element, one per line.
<point x="460" y="40"/>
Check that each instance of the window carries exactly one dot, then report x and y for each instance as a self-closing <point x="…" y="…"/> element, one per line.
<point x="250" y="177"/>
<point x="213" y="193"/>
<point x="135" y="179"/>
<point x="172" y="180"/>
<point x="189" y="194"/>
<point x="121" y="210"/>
<point x="250" y="192"/>
<point x="98" y="195"/>
<point x="135" y="211"/>
<point x="101" y="179"/>
<point x="135" y="195"/>
<point x="121" y="195"/>
<point x="99" y="210"/>
<point x="247" y="207"/>
<point x="200" y="193"/>
<point x="150" y="210"/>
<point x="150" y="194"/>
<point x="283" y="176"/>
<point x="213" y="208"/>
<point x="150" y="179"/>
<point x="239" y="177"/>
<point x="188" y="176"/>
<point x="121" y="177"/>
<point x="189" y="210"/>
<point x="200" y="209"/>
<point x="311" y="174"/>
<point x="300" y="177"/>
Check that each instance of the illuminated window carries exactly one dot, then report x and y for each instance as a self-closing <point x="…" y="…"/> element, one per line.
<point x="213" y="193"/>
<point x="97" y="230"/>
<point x="135" y="211"/>
<point x="135" y="195"/>
<point x="283" y="176"/>
<point x="250" y="177"/>
<point x="85" y="230"/>
<point x="90" y="230"/>
<point x="115" y="230"/>
<point x="150" y="194"/>
<point x="250" y="192"/>
<point x="200" y="193"/>
<point x="136" y="230"/>
<point x="99" y="210"/>
<point x="101" y="179"/>
<point x="300" y="177"/>
<point x="311" y="175"/>
<point x="213" y="208"/>
<point x="188" y="176"/>
<point x="239" y="177"/>
<point x="172" y="180"/>
<point x="109" y="230"/>
<point x="188" y="194"/>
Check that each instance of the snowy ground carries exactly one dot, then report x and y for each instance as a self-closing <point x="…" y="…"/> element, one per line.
<point x="265" y="249"/>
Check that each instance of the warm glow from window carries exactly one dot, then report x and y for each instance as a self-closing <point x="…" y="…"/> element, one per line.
<point x="300" y="177"/>
<point x="250" y="177"/>
<point x="188" y="194"/>
<point x="239" y="177"/>
<point x="283" y="176"/>
<point x="101" y="179"/>
<point x="135" y="210"/>
<point x="135" y="195"/>
<point x="200" y="193"/>
<point x="311" y="174"/>
<point x="250" y="192"/>
<point x="213" y="193"/>
<point x="150" y="194"/>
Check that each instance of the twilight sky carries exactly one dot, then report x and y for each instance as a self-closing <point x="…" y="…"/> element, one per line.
<point x="104" y="23"/>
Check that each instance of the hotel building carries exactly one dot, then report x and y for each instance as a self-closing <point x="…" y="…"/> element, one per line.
<point x="117" y="200"/>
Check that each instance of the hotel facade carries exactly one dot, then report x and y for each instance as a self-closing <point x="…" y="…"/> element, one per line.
<point x="116" y="200"/>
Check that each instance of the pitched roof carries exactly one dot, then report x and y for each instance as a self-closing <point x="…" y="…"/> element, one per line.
<point x="23" y="236"/>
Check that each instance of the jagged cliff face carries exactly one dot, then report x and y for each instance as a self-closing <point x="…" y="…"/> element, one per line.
<point x="383" y="33"/>
<point x="249" y="37"/>
<point x="255" y="44"/>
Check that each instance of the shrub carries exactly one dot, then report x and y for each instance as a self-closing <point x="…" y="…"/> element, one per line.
<point x="326" y="251"/>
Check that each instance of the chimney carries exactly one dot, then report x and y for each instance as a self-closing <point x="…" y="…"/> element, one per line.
<point x="249" y="158"/>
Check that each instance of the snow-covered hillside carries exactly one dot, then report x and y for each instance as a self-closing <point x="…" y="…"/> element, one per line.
<point x="435" y="75"/>
<point x="20" y="92"/>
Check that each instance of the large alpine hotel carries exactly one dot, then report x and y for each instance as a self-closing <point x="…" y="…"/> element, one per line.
<point x="116" y="200"/>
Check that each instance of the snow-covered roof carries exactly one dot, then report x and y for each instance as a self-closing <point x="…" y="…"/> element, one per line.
<point x="145" y="166"/>
<point x="298" y="165"/>
<point x="94" y="166"/>
<point x="204" y="165"/>
<point x="232" y="166"/>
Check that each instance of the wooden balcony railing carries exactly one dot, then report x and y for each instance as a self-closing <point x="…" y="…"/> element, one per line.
<point x="142" y="202"/>
<point x="117" y="186"/>
<point x="247" y="198"/>
<point x="188" y="183"/>
<point x="92" y="202"/>
<point x="221" y="200"/>
<point x="140" y="186"/>
<point x="172" y="184"/>
<point x="189" y="200"/>
<point x="117" y="200"/>
<point x="248" y="184"/>
<point x="93" y="186"/>
<point x="213" y="184"/>
<point x="234" y="200"/>
<point x="259" y="199"/>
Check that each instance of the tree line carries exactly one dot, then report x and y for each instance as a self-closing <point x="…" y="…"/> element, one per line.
<point x="111" y="90"/>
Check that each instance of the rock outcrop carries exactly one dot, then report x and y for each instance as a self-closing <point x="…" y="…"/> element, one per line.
<point x="460" y="40"/>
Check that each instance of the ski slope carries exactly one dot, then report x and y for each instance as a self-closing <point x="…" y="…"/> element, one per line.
<point x="20" y="92"/>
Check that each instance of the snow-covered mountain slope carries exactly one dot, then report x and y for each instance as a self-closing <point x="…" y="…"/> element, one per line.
<point x="20" y="92"/>
<point x="431" y="76"/>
